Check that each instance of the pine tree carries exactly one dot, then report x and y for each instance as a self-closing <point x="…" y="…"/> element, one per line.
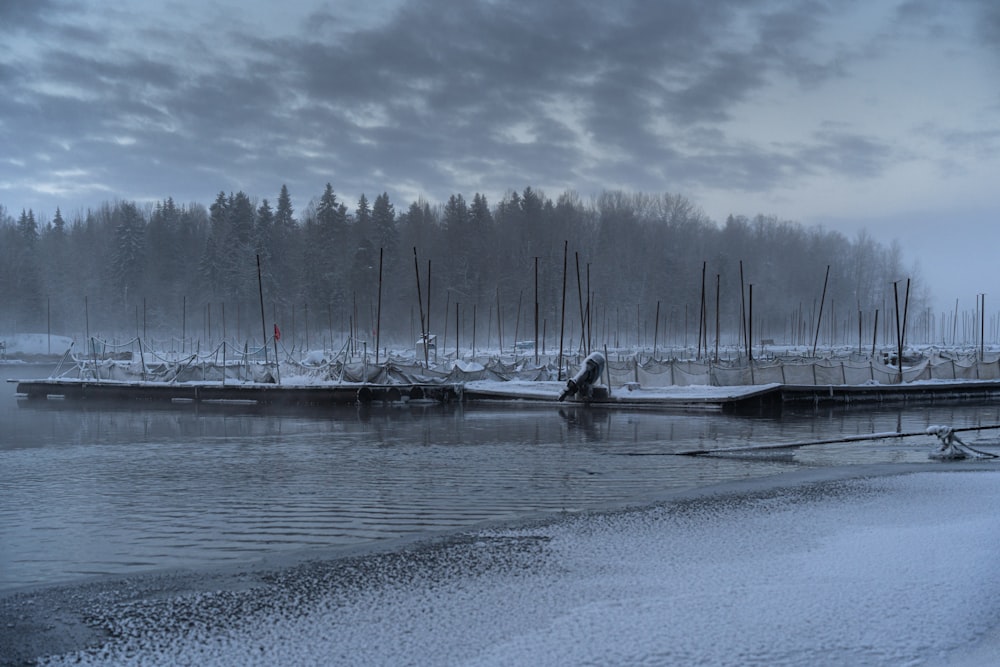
<point x="264" y="231"/>
<point x="127" y="260"/>
<point x="286" y="258"/>
<point x="211" y="266"/>
<point x="456" y="243"/>
<point x="330" y="250"/>
<point x="362" y="214"/>
<point x="284" y="215"/>
<point x="165" y="253"/>
<point x="384" y="221"/>
<point x="28" y="228"/>
<point x="363" y="275"/>
<point x="239" y="259"/>
<point x="58" y="224"/>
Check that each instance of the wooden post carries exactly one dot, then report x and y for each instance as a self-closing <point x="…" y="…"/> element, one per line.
<point x="590" y="315"/>
<point x="859" y="328"/>
<point x="899" y="336"/>
<point x="499" y="324"/>
<point x="875" y="333"/>
<point x="718" y="282"/>
<point x="517" y="321"/>
<point x="562" y="327"/>
<point x="263" y="326"/>
<point x="982" y="324"/>
<point x="701" y="311"/>
<point x="579" y="292"/>
<point x="274" y="339"/>
<point x="656" y="328"/>
<point x="536" y="315"/>
<point x="429" y="303"/>
<point x="378" y="310"/>
<point x="743" y="313"/>
<point x="447" y="307"/>
<point x="819" y="317"/>
<point x="420" y="302"/>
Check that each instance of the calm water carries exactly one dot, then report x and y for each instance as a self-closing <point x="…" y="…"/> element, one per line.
<point x="89" y="490"/>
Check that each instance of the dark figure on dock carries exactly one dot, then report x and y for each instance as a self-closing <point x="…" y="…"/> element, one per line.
<point x="583" y="382"/>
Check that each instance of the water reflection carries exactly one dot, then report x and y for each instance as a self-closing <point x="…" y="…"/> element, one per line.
<point x="91" y="488"/>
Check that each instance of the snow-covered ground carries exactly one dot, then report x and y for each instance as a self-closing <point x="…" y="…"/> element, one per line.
<point x="821" y="567"/>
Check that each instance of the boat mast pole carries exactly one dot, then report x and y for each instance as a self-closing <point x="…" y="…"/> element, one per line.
<point x="263" y="326"/>
<point x="378" y="311"/>
<point x="420" y="303"/>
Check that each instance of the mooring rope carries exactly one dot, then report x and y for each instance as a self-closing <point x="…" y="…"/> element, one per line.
<point x="833" y="441"/>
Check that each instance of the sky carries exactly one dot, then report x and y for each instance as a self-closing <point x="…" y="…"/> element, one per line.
<point x="875" y="115"/>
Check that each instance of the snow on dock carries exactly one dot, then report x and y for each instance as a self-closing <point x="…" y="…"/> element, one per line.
<point x="770" y="397"/>
<point x="698" y="397"/>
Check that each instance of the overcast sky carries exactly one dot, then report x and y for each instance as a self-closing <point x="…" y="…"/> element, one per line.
<point x="881" y="115"/>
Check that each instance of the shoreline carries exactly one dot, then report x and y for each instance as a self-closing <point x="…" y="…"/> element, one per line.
<point x="58" y="618"/>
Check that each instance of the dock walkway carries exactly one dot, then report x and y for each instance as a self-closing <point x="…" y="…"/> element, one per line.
<point x="750" y="399"/>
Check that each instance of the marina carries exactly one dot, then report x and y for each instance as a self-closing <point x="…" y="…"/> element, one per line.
<point x="771" y="397"/>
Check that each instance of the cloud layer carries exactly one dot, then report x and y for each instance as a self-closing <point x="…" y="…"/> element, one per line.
<point x="719" y="101"/>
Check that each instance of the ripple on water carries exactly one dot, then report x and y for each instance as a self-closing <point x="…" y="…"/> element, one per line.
<point x="130" y="490"/>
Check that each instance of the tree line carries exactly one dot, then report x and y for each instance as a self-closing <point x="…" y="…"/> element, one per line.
<point x="624" y="267"/>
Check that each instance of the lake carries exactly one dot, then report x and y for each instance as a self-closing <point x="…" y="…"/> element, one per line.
<point x="91" y="490"/>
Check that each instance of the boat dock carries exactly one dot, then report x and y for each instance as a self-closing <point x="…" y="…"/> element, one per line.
<point x="258" y="393"/>
<point x="751" y="399"/>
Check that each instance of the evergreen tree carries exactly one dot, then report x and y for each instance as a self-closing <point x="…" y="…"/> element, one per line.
<point x="384" y="222"/>
<point x="286" y="256"/>
<point x="212" y="265"/>
<point x="457" y="241"/>
<point x="482" y="248"/>
<point x="264" y="233"/>
<point x="59" y="225"/>
<point x="329" y="251"/>
<point x="642" y="250"/>
<point x="363" y="213"/>
<point x="363" y="275"/>
<point x="128" y="256"/>
<point x="239" y="258"/>
<point x="284" y="216"/>
<point x="418" y="228"/>
<point x="165" y="253"/>
<point x="28" y="228"/>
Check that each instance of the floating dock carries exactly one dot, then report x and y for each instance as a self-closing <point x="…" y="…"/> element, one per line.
<point x="752" y="399"/>
<point x="932" y="391"/>
<point x="258" y="393"/>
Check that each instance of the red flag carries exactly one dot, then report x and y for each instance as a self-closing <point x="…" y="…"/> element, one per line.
<point x="277" y="332"/>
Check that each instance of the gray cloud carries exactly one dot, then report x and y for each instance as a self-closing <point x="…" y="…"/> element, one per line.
<point x="18" y="16"/>
<point x="442" y="97"/>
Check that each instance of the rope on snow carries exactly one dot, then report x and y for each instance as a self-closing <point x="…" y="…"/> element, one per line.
<point x="952" y="446"/>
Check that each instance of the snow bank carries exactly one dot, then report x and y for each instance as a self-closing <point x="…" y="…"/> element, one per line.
<point x="883" y="570"/>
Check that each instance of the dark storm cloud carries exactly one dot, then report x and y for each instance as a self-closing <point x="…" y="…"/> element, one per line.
<point x="465" y="75"/>
<point x="839" y="151"/>
<point x="18" y="15"/>
<point x="441" y="97"/>
<point x="988" y="23"/>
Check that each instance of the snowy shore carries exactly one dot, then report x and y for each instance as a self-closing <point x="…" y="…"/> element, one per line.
<point x="887" y="564"/>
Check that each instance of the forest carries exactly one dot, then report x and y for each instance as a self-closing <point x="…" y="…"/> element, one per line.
<point x="620" y="269"/>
